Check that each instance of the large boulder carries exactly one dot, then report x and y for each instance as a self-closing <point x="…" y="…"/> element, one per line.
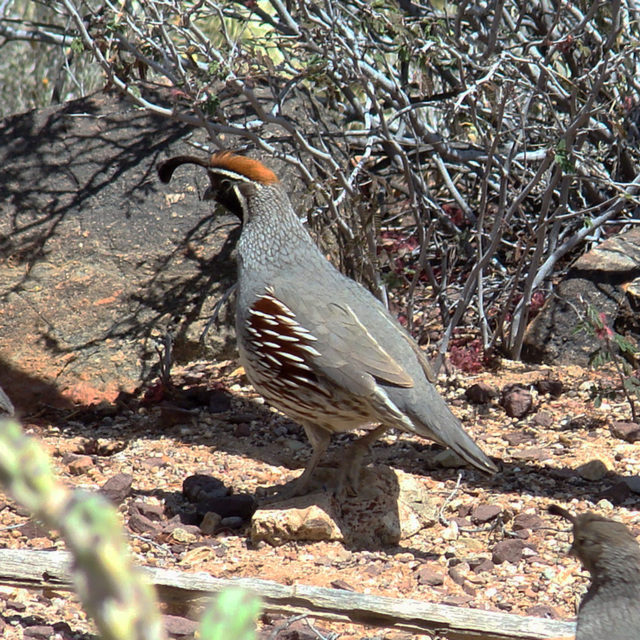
<point x="97" y="258"/>
<point x="607" y="278"/>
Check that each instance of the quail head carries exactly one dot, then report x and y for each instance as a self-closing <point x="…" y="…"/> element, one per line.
<point x="313" y="343"/>
<point x="610" y="610"/>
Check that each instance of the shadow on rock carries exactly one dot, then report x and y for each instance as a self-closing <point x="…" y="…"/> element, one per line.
<point x="99" y="259"/>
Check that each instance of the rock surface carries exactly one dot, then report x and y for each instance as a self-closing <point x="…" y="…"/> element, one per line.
<point x="606" y="278"/>
<point x="98" y="258"/>
<point x="390" y="507"/>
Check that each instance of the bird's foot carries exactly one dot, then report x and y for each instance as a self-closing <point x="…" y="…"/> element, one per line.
<point x="347" y="481"/>
<point x="301" y="486"/>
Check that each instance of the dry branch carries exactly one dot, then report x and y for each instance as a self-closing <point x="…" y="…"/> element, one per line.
<point x="50" y="569"/>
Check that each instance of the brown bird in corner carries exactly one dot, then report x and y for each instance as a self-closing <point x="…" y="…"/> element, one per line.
<point x="315" y="344"/>
<point x="610" y="610"/>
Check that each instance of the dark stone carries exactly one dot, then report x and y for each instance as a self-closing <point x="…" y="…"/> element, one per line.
<point x="508" y="551"/>
<point x="543" y="419"/>
<point x="616" y="494"/>
<point x="480" y="393"/>
<point x="516" y="401"/>
<point x="140" y="524"/>
<point x="232" y="522"/>
<point x="483" y="566"/>
<point x="241" y="505"/>
<point x="219" y="401"/>
<point x="629" y="431"/>
<point x="342" y="584"/>
<point x="485" y="512"/>
<point x="242" y="430"/>
<point x="179" y="627"/>
<point x="429" y="577"/>
<point x="33" y="529"/>
<point x="201" y="487"/>
<point x="529" y="521"/>
<point x="552" y="387"/>
<point x="171" y="415"/>
<point x="118" y="487"/>
<point x="63" y="629"/>
<point x="297" y="630"/>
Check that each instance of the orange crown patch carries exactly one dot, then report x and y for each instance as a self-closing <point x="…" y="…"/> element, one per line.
<point x="252" y="169"/>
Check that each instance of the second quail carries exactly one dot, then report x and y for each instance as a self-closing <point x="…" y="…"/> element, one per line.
<point x="610" y="610"/>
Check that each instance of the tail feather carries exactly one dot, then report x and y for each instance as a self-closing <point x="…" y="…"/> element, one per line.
<point x="433" y="419"/>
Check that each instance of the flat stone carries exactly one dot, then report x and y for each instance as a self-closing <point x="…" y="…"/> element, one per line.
<point x="429" y="577"/>
<point x="179" y="627"/>
<point x="43" y="631"/>
<point x="80" y="465"/>
<point x="210" y="523"/>
<point x="118" y="487"/>
<point x="140" y="524"/>
<point x="507" y="551"/>
<point x="529" y="521"/>
<point x="480" y="393"/>
<point x="534" y="453"/>
<point x="593" y="470"/>
<point x="628" y="431"/>
<point x="543" y="419"/>
<point x="485" y="512"/>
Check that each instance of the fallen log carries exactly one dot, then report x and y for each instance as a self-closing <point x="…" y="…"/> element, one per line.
<point x="51" y="570"/>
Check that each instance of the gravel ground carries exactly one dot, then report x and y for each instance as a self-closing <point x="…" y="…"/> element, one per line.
<point x="493" y="546"/>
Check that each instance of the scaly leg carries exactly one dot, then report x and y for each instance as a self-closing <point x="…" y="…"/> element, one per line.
<point x="349" y="474"/>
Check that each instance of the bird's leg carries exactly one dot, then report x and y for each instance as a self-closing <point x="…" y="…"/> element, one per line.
<point x="320" y="439"/>
<point x="349" y="474"/>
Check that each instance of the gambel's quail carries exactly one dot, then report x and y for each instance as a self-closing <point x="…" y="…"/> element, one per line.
<point x="610" y="610"/>
<point x="315" y="344"/>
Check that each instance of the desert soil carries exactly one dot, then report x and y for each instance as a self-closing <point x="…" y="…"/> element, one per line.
<point x="216" y="426"/>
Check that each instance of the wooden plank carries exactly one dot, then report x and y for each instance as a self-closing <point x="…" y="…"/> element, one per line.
<point x="50" y="569"/>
